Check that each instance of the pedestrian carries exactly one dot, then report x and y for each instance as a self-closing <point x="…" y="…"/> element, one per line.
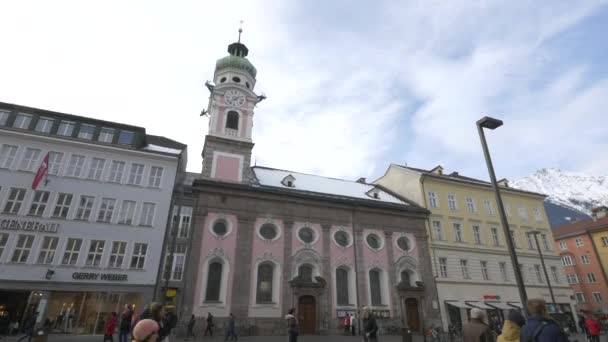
<point x="146" y="330"/>
<point x="125" y="324"/>
<point x="14" y="328"/>
<point x="191" y="323"/>
<point x="475" y="330"/>
<point x="292" y="325"/>
<point x="593" y="329"/>
<point x="581" y="323"/>
<point x="352" y="324"/>
<point x="156" y="312"/>
<point x="539" y="327"/>
<point x="29" y="326"/>
<point x="230" y="332"/>
<point x="511" y="329"/>
<point x="371" y="326"/>
<point x="346" y="324"/>
<point x="110" y="326"/>
<point x="209" y="327"/>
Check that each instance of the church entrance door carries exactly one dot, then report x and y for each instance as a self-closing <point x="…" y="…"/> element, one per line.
<point x="411" y="312"/>
<point x="307" y="314"/>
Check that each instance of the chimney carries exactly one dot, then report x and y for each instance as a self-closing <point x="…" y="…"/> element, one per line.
<point x="361" y="180"/>
<point x="503" y="182"/>
<point x="599" y="212"/>
<point x="454" y="174"/>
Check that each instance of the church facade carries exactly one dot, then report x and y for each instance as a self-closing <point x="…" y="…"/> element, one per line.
<point x="266" y="240"/>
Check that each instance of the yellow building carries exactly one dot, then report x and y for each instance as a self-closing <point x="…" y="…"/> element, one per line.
<point x="598" y="230"/>
<point x="471" y="264"/>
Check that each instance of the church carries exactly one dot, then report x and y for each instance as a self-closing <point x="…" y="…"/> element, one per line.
<point x="267" y="240"/>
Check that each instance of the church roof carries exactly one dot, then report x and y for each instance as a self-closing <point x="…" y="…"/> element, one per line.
<point x="270" y="177"/>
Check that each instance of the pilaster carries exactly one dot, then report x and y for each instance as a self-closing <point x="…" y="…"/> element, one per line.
<point x="241" y="287"/>
<point x="288" y="302"/>
<point x="392" y="278"/>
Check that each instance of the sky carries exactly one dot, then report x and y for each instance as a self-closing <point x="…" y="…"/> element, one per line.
<point x="351" y="86"/>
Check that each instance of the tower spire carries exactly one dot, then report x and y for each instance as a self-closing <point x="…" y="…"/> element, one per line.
<point x="240" y="30"/>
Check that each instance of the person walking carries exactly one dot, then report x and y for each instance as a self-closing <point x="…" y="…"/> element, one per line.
<point x="540" y="328"/>
<point x="209" y="327"/>
<point x="146" y="330"/>
<point x="511" y="329"/>
<point x="29" y="326"/>
<point x="292" y="325"/>
<point x="230" y="332"/>
<point x="593" y="329"/>
<point x="581" y="323"/>
<point x="190" y="332"/>
<point x="125" y="324"/>
<point x="370" y="327"/>
<point x="475" y="330"/>
<point x="156" y="312"/>
<point x="352" y="324"/>
<point x="346" y="324"/>
<point x="110" y="327"/>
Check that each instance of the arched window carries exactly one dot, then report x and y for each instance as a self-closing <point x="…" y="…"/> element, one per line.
<point x="405" y="278"/>
<point x="305" y="272"/>
<point x="232" y="120"/>
<point x="214" y="281"/>
<point x="342" y="286"/>
<point x="264" y="291"/>
<point x="374" y="286"/>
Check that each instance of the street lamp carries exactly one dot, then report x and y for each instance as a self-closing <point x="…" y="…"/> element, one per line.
<point x="542" y="262"/>
<point x="492" y="123"/>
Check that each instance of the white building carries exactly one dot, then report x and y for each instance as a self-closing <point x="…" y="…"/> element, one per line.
<point x="89" y="238"/>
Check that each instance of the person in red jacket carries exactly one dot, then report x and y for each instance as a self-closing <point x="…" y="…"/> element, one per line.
<point x="108" y="331"/>
<point x="593" y="329"/>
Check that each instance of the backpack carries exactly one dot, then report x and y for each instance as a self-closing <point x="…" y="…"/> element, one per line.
<point x="536" y="332"/>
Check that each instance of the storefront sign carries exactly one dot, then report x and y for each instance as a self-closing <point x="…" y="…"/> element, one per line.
<point x="343" y="313"/>
<point x="29" y="225"/>
<point x="491" y="297"/>
<point x="99" y="276"/>
<point x="381" y="313"/>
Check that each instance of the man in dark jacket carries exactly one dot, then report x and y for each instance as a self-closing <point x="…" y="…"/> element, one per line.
<point x="125" y="324"/>
<point x="476" y="330"/>
<point x="540" y="328"/>
<point x="370" y="326"/>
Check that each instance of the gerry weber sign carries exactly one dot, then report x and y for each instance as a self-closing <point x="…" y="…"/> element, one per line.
<point x="28" y="225"/>
<point x="100" y="276"/>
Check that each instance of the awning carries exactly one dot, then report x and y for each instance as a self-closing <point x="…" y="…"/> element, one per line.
<point x="479" y="305"/>
<point x="515" y="304"/>
<point x="500" y="305"/>
<point x="458" y="304"/>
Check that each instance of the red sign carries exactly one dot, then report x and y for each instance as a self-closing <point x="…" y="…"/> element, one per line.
<point x="41" y="171"/>
<point x="491" y="297"/>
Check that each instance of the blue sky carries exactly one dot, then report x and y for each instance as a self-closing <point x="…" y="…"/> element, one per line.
<point x="351" y="86"/>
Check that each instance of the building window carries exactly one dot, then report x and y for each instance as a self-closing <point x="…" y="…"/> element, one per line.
<point x="116" y="171"/>
<point x="374" y="286"/>
<point x="342" y="287"/>
<point x="44" y="125"/>
<point x="147" y="214"/>
<point x="220" y="228"/>
<point x="136" y="174"/>
<point x="232" y="120"/>
<point x="554" y="274"/>
<point x="545" y="242"/>
<point x="458" y="232"/>
<point x="604" y="241"/>
<point x="523" y="213"/>
<point x="86" y="132"/>
<point x="514" y="238"/>
<point x="598" y="297"/>
<point x="268" y="231"/>
<point x="531" y="242"/>
<point x="464" y="267"/>
<point x="72" y="250"/>
<point x="433" y="202"/>
<point x="373" y="241"/>
<point x="443" y="267"/>
<point x="22" y="121"/>
<point x="484" y="270"/>
<point x="84" y="208"/>
<point x="563" y="245"/>
<point x="342" y="238"/>
<point x="264" y="288"/>
<point x="39" y="203"/>
<point x="305" y="273"/>
<point x="4" y="117"/>
<point x="572" y="278"/>
<point x="437" y="230"/>
<point x="489" y="208"/>
<point x="214" y="282"/>
<point x="306" y="234"/>
<point x="477" y="235"/>
<point x="579" y="242"/>
<point x="3" y="242"/>
<point x="125" y="138"/>
<point x="177" y="266"/>
<point x="138" y="259"/>
<point x="106" y="210"/>
<point x="539" y="277"/>
<point x="96" y="169"/>
<point x="7" y="156"/>
<point x="503" y="271"/>
<point x="495" y="238"/>
<point x="117" y="254"/>
<point x="585" y="259"/>
<point x="23" y="248"/>
<point x="580" y="297"/>
<point x="508" y="209"/>
<point x="75" y="166"/>
<point x="185" y="223"/>
<point x="106" y="135"/>
<point x="55" y="159"/>
<point x="471" y="205"/>
<point x="452" y="202"/>
<point x="66" y="128"/>
<point x="156" y="175"/>
<point x="14" y="201"/>
<point x="95" y="253"/>
<point x="404" y="243"/>
<point x="126" y="212"/>
<point x="63" y="205"/>
<point x="591" y="278"/>
<point x="567" y="260"/>
<point x="30" y="159"/>
<point x="537" y="215"/>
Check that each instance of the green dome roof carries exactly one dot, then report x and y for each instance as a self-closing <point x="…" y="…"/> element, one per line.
<point x="235" y="62"/>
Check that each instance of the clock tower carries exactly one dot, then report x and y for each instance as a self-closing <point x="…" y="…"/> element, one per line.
<point x="228" y="145"/>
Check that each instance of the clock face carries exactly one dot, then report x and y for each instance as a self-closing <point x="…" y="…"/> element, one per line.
<point x="235" y="98"/>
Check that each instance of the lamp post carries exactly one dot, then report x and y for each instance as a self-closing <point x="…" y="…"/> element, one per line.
<point x="491" y="123"/>
<point x="542" y="262"/>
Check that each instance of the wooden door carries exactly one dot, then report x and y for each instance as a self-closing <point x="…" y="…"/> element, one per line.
<point x="307" y="314"/>
<point x="411" y="312"/>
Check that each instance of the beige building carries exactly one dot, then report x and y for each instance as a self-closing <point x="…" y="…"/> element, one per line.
<point x="470" y="261"/>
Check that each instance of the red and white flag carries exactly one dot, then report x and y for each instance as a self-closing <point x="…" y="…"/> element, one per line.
<point x="41" y="171"/>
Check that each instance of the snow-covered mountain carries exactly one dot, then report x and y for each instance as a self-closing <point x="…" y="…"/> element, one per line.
<point x="571" y="189"/>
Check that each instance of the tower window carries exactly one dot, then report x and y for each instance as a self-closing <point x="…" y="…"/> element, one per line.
<point x="232" y="121"/>
<point x="236" y="79"/>
<point x="223" y="79"/>
<point x="247" y="85"/>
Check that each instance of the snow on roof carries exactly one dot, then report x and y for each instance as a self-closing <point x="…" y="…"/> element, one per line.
<point x="320" y="184"/>
<point x="156" y="148"/>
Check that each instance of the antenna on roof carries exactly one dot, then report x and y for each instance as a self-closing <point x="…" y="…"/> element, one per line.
<point x="240" y="30"/>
